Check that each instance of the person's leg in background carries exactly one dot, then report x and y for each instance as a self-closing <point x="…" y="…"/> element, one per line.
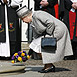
<point x="74" y="46"/>
<point x="74" y="56"/>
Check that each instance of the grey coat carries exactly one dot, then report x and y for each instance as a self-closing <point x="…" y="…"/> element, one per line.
<point x="43" y="21"/>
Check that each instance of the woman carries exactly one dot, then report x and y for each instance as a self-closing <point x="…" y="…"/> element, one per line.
<point x="49" y="6"/>
<point x="43" y="22"/>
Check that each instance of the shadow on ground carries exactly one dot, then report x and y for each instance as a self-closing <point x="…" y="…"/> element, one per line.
<point x="57" y="69"/>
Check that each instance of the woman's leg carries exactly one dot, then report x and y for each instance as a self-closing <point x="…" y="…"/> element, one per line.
<point x="47" y="67"/>
<point x="30" y="52"/>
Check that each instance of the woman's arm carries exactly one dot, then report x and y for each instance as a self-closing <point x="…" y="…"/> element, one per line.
<point x="47" y="21"/>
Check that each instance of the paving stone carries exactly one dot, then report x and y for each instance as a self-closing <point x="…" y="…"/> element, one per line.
<point x="66" y="68"/>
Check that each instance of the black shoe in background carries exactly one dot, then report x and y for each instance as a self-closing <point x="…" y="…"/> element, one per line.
<point x="69" y="57"/>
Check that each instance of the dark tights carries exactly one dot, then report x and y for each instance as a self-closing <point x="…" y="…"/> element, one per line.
<point x="30" y="52"/>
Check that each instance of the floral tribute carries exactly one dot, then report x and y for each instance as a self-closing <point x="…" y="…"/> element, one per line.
<point x="21" y="56"/>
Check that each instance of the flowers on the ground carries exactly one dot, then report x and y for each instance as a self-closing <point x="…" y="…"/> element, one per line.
<point x="21" y="56"/>
<point x="19" y="59"/>
<point x="28" y="57"/>
<point x="12" y="61"/>
<point x="15" y="54"/>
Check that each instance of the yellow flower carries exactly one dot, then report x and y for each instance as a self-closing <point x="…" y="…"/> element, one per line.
<point x="21" y="51"/>
<point x="22" y="54"/>
<point x="15" y="54"/>
<point x="12" y="61"/>
<point x="19" y="59"/>
<point x="28" y="57"/>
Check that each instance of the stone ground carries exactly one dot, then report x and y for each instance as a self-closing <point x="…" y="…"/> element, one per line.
<point x="65" y="68"/>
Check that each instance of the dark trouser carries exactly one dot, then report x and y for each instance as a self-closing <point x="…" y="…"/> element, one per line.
<point x="14" y="47"/>
<point x="74" y="46"/>
<point x="74" y="56"/>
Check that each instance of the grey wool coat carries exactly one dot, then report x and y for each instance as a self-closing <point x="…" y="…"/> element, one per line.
<point x="42" y="21"/>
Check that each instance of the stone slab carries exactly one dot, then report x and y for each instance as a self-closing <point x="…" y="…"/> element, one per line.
<point x="9" y="67"/>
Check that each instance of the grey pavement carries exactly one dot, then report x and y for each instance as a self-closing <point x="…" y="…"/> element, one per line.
<point x="64" y="68"/>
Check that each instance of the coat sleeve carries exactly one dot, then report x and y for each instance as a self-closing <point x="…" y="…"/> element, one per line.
<point x="37" y="2"/>
<point x="52" y="2"/>
<point x="46" y="20"/>
<point x="64" y="4"/>
<point x="68" y="4"/>
<point x="61" y="9"/>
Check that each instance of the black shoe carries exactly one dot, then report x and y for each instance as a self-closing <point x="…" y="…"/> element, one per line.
<point x="51" y="69"/>
<point x="69" y="58"/>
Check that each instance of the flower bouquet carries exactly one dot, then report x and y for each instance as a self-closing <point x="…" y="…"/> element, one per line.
<point x="20" y="57"/>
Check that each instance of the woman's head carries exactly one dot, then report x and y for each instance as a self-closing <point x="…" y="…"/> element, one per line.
<point x="25" y="14"/>
<point x="27" y="19"/>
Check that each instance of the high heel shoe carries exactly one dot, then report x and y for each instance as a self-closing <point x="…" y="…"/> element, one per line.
<point x="51" y="69"/>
